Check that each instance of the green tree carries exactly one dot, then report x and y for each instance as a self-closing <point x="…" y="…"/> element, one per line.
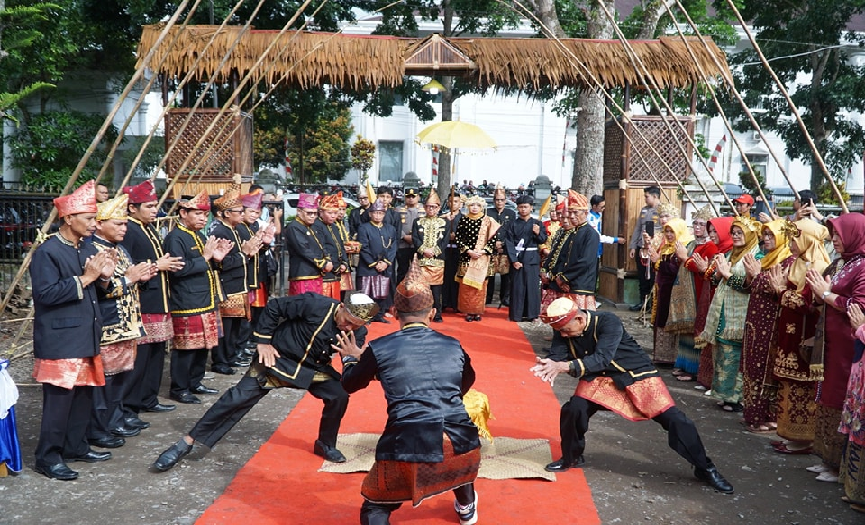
<point x="362" y="156"/>
<point x="49" y="147"/>
<point x="805" y="38"/>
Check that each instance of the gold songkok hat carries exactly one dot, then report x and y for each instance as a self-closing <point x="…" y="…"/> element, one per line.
<point x="116" y="208"/>
<point x="230" y="199"/>
<point x="667" y="208"/>
<point x="361" y="306"/>
<point x="433" y="198"/>
<point x="329" y="202"/>
<point x="199" y="202"/>
<point x="82" y="200"/>
<point x="413" y="294"/>
<point x="560" y="312"/>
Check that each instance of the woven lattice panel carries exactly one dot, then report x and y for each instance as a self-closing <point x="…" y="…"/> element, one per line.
<point x="226" y="150"/>
<point x="656" y="144"/>
<point x="614" y="144"/>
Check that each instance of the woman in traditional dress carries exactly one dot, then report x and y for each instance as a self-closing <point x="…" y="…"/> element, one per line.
<point x="853" y="421"/>
<point x="758" y="385"/>
<point x="704" y="250"/>
<point x="725" y="321"/>
<point x="674" y="306"/>
<point x="475" y="238"/>
<point x="833" y="344"/>
<point x="719" y="234"/>
<point x="666" y="344"/>
<point x="794" y="338"/>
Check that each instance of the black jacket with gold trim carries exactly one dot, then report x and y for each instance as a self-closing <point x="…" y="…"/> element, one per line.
<point x="577" y="264"/>
<point x="307" y="250"/>
<point x="301" y="328"/>
<point x="233" y="267"/>
<point x="143" y="244"/>
<point x="604" y="349"/>
<point x="195" y="288"/>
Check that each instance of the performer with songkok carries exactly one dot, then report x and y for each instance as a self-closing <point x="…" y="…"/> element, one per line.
<point x="615" y="374"/>
<point x="144" y="244"/>
<point x="121" y="325"/>
<point x="305" y="242"/>
<point x="194" y="297"/>
<point x="67" y="327"/>
<point x="328" y="211"/>
<point x="430" y="236"/>
<point x="575" y="274"/>
<point x="377" y="241"/>
<point x="257" y="280"/>
<point x="233" y="278"/>
<point x="522" y="238"/>
<point x="429" y="444"/>
<point x="476" y="237"/>
<point x="294" y="337"/>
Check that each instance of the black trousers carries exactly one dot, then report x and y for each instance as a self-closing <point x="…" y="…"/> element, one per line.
<point x="235" y="402"/>
<point x="141" y="387"/>
<point x="647" y="280"/>
<point x="436" y="290"/>
<point x="228" y="348"/>
<point x="504" y="290"/>
<point x="65" y="415"/>
<point x="681" y="431"/>
<point x="450" y="288"/>
<point x="379" y="513"/>
<point x="107" y="409"/>
<point x="403" y="261"/>
<point x="187" y="370"/>
<point x="525" y="292"/>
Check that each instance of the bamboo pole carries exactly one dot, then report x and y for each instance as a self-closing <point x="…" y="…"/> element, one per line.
<point x="817" y="156"/>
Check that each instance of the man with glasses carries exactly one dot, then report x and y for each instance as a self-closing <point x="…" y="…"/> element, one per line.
<point x="308" y="248"/>
<point x="405" y="248"/>
<point x="358" y="215"/>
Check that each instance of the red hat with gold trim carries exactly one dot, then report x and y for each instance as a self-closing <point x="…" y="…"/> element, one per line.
<point x="82" y="200"/>
<point x="577" y="201"/>
<point x="342" y="204"/>
<point x="560" y="312"/>
<point x="329" y="202"/>
<point x="252" y="200"/>
<point x="199" y="202"/>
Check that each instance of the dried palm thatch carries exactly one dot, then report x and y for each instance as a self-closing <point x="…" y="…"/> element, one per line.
<point x="307" y="59"/>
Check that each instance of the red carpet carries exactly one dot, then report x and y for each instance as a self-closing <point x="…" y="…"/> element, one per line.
<point x="281" y="485"/>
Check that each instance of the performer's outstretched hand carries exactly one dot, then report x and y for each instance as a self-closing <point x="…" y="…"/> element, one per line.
<point x="267" y="355"/>
<point x="346" y="345"/>
<point x="547" y="369"/>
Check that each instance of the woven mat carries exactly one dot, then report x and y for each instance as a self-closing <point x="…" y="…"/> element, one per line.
<point x="504" y="458"/>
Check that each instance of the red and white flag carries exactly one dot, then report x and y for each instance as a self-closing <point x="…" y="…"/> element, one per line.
<point x="717" y="153"/>
<point x="289" y="171"/>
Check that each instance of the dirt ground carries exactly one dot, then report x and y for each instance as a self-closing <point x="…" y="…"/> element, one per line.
<point x="634" y="476"/>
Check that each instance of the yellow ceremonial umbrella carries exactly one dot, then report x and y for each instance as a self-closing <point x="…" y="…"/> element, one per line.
<point x="456" y="134"/>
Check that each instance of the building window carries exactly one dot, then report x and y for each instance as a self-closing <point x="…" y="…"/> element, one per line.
<point x="390" y="160"/>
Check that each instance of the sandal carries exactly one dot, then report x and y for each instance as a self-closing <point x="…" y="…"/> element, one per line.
<point x="732" y="407"/>
<point x="677" y="372"/>
<point x="758" y="429"/>
<point x="684" y="377"/>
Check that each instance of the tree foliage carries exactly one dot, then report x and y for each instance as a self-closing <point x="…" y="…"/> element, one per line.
<point x="47" y="150"/>
<point x="805" y="39"/>
<point x="362" y="156"/>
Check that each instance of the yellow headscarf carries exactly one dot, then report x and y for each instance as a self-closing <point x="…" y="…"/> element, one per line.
<point x="683" y="235"/>
<point x="752" y="237"/>
<point x="812" y="252"/>
<point x="781" y="251"/>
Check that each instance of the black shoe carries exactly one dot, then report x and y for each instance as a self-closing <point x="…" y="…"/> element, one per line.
<point x="470" y="318"/>
<point x="125" y="431"/>
<point x="506" y="302"/>
<point x="438" y="319"/>
<point x="57" y="471"/>
<point x="134" y="422"/>
<point x="91" y="457"/>
<point x="223" y="369"/>
<point x="477" y="318"/>
<point x="636" y="307"/>
<point x="248" y="352"/>
<point x="186" y="398"/>
<point x="159" y="407"/>
<point x="240" y="363"/>
<point x="172" y="456"/>
<point x="328" y="452"/>
<point x="562" y="465"/>
<point x="713" y="478"/>
<point x="201" y="389"/>
<point x="108" y="442"/>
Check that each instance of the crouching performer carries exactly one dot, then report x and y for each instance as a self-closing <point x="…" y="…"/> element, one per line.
<point x="615" y="374"/>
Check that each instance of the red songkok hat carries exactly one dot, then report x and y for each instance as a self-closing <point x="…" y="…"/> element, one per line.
<point x="308" y="201"/>
<point x="252" y="200"/>
<point x="329" y="202"/>
<point x="577" y="201"/>
<point x="141" y="193"/>
<point x="199" y="202"/>
<point x="82" y="200"/>
<point x="560" y="312"/>
<point x="413" y="294"/>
